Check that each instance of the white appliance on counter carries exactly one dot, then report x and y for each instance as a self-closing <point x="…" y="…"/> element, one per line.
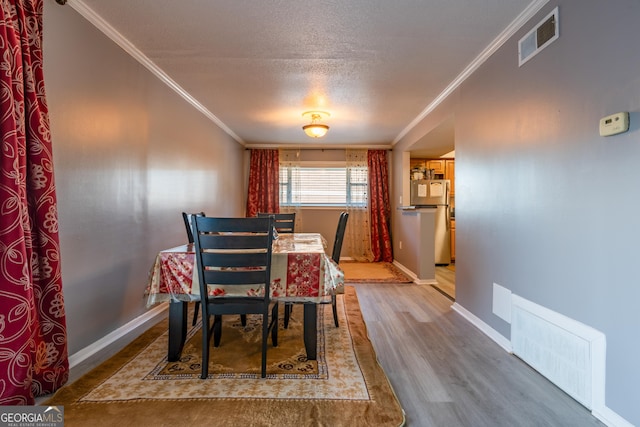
<point x="435" y="194"/>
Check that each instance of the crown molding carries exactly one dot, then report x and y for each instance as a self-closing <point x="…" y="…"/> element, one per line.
<point x="95" y="19"/>
<point x="502" y="38"/>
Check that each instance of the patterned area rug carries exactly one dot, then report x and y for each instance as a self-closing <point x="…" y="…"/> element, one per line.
<point x="285" y="361"/>
<point x="372" y="272"/>
<point x="345" y="386"/>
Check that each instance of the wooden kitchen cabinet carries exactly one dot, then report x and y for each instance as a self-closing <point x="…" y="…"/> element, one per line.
<point x="444" y="167"/>
<point x="450" y="174"/>
<point x="417" y="163"/>
<point x="437" y="165"/>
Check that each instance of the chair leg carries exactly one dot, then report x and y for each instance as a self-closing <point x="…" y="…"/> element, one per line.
<point x="243" y="319"/>
<point x="265" y="334"/>
<point x="217" y="330"/>
<point x="288" y="308"/>
<point x="335" y="309"/>
<point x="195" y="313"/>
<point x="206" y="340"/>
<point x="274" y="325"/>
<point x="266" y="325"/>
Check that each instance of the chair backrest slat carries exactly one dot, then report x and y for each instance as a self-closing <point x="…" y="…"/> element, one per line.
<point x="234" y="259"/>
<point x="234" y="251"/>
<point x="255" y="278"/>
<point x="231" y="241"/>
<point x="284" y="222"/>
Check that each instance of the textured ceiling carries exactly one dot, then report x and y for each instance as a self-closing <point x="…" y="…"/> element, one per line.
<point x="257" y="65"/>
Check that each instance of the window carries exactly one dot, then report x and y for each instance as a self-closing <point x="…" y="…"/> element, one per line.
<point x="323" y="185"/>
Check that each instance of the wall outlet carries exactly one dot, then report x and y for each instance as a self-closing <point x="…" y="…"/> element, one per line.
<point x="400" y="244"/>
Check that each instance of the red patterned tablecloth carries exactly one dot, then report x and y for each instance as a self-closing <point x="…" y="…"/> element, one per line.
<point x="300" y="271"/>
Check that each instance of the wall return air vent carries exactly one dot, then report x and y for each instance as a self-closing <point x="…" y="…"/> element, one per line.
<point x="542" y="35"/>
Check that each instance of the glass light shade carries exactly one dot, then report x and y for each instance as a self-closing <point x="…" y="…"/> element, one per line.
<point x="315" y="130"/>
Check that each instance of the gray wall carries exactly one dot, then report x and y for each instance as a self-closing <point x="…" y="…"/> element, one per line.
<point x="129" y="156"/>
<point x="545" y="206"/>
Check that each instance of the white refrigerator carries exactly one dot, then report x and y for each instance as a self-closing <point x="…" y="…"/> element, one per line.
<point x="435" y="194"/>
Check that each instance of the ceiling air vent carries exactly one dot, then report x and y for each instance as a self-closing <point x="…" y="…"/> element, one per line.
<point x="540" y="37"/>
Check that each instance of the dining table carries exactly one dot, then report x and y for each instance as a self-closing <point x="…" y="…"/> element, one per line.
<point x="301" y="272"/>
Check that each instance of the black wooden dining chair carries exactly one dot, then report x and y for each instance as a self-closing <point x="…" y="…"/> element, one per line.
<point x="284" y="222"/>
<point x="188" y="218"/>
<point x="234" y="252"/>
<point x="187" y="223"/>
<point x="335" y="256"/>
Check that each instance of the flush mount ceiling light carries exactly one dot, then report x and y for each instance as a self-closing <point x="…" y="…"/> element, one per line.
<point x="315" y="129"/>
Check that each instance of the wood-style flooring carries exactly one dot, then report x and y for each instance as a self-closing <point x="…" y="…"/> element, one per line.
<point x="446" y="373"/>
<point x="446" y="278"/>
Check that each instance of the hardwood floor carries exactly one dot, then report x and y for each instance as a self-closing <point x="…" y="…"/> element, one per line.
<point x="446" y="278"/>
<point x="446" y="373"/>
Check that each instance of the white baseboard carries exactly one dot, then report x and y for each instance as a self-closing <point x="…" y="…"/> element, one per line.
<point x="413" y="276"/>
<point x="603" y="413"/>
<point x="405" y="270"/>
<point x="425" y="281"/>
<point x="486" y="329"/>
<point x="610" y="418"/>
<point x="152" y="316"/>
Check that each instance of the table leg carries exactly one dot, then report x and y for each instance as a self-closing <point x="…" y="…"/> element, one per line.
<point x="310" y="330"/>
<point x="177" y="329"/>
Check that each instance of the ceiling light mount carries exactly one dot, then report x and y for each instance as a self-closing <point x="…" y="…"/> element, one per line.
<point x="315" y="129"/>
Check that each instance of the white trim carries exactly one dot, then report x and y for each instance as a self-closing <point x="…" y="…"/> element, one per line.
<point x="143" y="320"/>
<point x="610" y="418"/>
<point x="599" y="408"/>
<point x="486" y="329"/>
<point x="502" y="38"/>
<point x="413" y="276"/>
<point x="404" y="269"/>
<point x="521" y="60"/>
<point x="91" y="16"/>
<point x="596" y="339"/>
<point x="425" y="281"/>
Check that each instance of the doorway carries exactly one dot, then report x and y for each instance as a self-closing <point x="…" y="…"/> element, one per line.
<point x="435" y="151"/>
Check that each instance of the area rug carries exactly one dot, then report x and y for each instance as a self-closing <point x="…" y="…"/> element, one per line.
<point x="138" y="386"/>
<point x="372" y="272"/>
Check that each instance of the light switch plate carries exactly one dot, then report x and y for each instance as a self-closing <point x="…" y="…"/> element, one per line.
<point x="614" y="124"/>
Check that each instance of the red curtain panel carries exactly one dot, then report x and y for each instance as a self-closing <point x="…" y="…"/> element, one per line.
<point x="33" y="337"/>
<point x="380" y="207"/>
<point x="263" y="192"/>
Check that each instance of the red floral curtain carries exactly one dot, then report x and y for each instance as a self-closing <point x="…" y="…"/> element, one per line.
<point x="263" y="194"/>
<point x="380" y="207"/>
<point x="33" y="343"/>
